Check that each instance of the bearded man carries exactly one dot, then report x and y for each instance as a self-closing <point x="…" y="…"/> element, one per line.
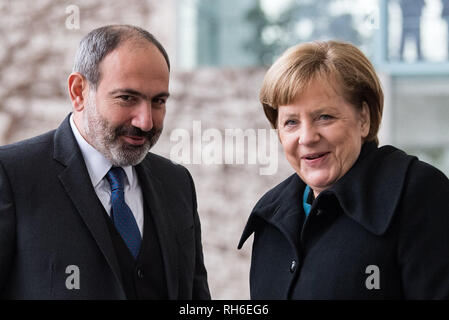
<point x="86" y="212"/>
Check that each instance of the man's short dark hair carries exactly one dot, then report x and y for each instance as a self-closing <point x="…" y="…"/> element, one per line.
<point x="99" y="42"/>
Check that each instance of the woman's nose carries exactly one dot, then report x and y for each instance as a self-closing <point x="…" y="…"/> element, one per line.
<point x="308" y="134"/>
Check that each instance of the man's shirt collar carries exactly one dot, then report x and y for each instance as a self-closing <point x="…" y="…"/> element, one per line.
<point x="96" y="163"/>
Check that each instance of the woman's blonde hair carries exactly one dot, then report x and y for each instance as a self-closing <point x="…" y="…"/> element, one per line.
<point x="341" y="64"/>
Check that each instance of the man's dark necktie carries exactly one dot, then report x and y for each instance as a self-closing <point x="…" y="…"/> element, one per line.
<point x="121" y="214"/>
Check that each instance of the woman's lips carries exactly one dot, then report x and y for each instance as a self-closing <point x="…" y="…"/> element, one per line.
<point x="315" y="159"/>
<point x="134" y="140"/>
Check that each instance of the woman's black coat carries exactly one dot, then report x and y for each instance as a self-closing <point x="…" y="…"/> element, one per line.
<point x="380" y="232"/>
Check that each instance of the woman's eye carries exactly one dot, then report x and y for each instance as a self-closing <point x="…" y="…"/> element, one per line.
<point x="326" y="117"/>
<point x="289" y="123"/>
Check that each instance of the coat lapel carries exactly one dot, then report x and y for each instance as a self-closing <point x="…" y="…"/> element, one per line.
<point x="285" y="212"/>
<point x="376" y="180"/>
<point x="152" y="191"/>
<point x="76" y="182"/>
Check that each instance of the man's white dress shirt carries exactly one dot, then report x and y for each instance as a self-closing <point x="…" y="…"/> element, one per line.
<point x="98" y="166"/>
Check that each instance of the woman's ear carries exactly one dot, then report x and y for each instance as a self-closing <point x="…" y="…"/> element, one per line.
<point x="77" y="86"/>
<point x="365" y="120"/>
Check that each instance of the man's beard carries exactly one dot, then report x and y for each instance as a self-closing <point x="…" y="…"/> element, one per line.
<point x="107" y="139"/>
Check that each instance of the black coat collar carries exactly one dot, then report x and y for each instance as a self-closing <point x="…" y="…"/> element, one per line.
<point x="281" y="207"/>
<point x="368" y="193"/>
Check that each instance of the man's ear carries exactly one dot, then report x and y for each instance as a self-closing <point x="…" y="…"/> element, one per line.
<point x="365" y="119"/>
<point x="78" y="90"/>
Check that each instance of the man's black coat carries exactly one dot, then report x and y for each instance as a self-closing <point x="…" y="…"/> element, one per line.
<point x="51" y="218"/>
<point x="380" y="232"/>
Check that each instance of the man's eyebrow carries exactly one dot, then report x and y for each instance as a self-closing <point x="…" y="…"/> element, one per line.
<point x="162" y="95"/>
<point x="137" y="93"/>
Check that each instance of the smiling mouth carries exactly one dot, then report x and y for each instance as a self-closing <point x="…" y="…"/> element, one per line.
<point x="134" y="140"/>
<point x="315" y="156"/>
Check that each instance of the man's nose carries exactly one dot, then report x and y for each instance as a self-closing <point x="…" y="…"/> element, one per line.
<point x="142" y="117"/>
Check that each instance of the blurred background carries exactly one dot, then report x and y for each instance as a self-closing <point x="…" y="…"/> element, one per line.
<point x="220" y="50"/>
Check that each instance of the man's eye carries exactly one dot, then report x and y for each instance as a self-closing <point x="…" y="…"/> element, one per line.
<point x="125" y="97"/>
<point x="160" y="101"/>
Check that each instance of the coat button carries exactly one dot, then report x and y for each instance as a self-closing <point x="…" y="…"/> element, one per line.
<point x="140" y="273"/>
<point x="293" y="266"/>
